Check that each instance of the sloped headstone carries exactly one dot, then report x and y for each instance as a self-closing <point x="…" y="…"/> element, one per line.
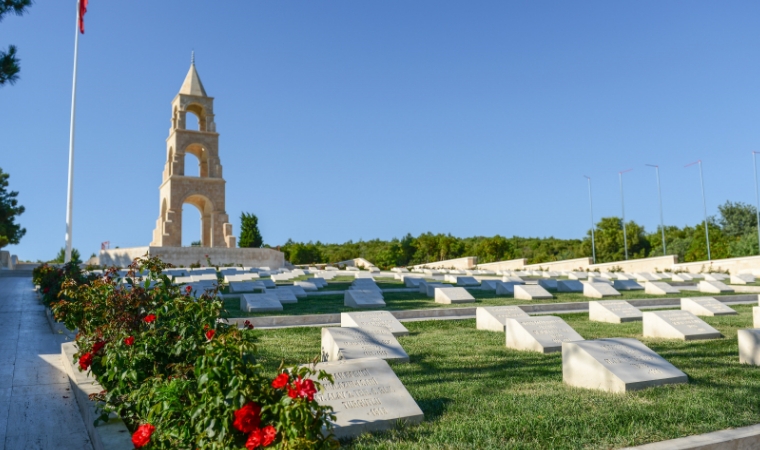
<point x="507" y="287"/>
<point x="577" y="275"/>
<point x="489" y="285"/>
<point x="450" y="295"/>
<point x="569" y="286"/>
<point x="306" y="285"/>
<point x="260" y="303"/>
<point x="706" y="306"/>
<point x="713" y="287"/>
<point x="431" y="287"/>
<point x="366" y="396"/>
<point x="616" y="365"/>
<point x="494" y="318"/>
<point x="284" y="295"/>
<point x="549" y="284"/>
<point x="531" y="292"/>
<point x="681" y="325"/>
<point x="354" y="343"/>
<point x="382" y="319"/>
<point x="613" y="311"/>
<point x="627" y="285"/>
<point x="659" y="288"/>
<point x="749" y="346"/>
<point x="246" y="286"/>
<point x="467" y="281"/>
<point x="681" y="277"/>
<point x="412" y="282"/>
<point x="296" y="290"/>
<point x="543" y="334"/>
<point x="742" y="278"/>
<point x="357" y="298"/>
<point x="599" y="290"/>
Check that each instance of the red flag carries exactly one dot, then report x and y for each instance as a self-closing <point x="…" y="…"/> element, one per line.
<point x="82" y="11"/>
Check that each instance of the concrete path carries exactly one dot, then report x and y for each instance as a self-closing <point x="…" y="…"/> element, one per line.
<point x="37" y="408"/>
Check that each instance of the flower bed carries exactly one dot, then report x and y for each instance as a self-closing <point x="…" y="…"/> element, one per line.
<point x="177" y="375"/>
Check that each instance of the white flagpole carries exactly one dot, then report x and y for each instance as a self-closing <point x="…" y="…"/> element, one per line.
<point x="70" y="195"/>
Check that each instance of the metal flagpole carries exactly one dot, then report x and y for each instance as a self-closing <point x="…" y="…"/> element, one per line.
<point x="70" y="195"/>
<point x="757" y="196"/>
<point x="659" y="195"/>
<point x="622" y="203"/>
<point x="591" y="206"/>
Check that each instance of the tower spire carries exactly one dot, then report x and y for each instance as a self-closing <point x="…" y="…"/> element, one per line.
<point x="192" y="58"/>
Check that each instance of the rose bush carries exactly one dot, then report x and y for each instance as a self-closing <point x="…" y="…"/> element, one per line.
<point x="50" y="279"/>
<point x="179" y="376"/>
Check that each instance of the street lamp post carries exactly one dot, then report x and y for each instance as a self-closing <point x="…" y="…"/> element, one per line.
<point x="591" y="207"/>
<point x="622" y="204"/>
<point x="704" y="205"/>
<point x="659" y="195"/>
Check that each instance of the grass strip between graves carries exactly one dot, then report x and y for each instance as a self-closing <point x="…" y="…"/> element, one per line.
<point x="476" y="393"/>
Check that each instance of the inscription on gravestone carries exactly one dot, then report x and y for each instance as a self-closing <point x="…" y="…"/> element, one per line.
<point x="354" y="343"/>
<point x="543" y="334"/>
<point x="383" y="319"/>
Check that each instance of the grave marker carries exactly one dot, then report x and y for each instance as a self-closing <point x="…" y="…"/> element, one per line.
<point x="713" y="287"/>
<point x="627" y="285"/>
<point x="616" y="365"/>
<point x="749" y="346"/>
<point x="569" y="286"/>
<point x="358" y="298"/>
<point x="449" y="295"/>
<point x="382" y="319"/>
<point x="354" y="343"/>
<point x="366" y="396"/>
<point x="613" y="311"/>
<point x="543" y="334"/>
<point x="599" y="290"/>
<point x="259" y="303"/>
<point x="659" y="288"/>
<point x="494" y="318"/>
<point x="677" y="325"/>
<point x="706" y="306"/>
<point x="531" y="292"/>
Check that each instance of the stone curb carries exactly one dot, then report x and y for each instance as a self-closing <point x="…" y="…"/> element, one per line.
<point x="313" y="320"/>
<point x="745" y="438"/>
<point x="112" y="435"/>
<point x="58" y="327"/>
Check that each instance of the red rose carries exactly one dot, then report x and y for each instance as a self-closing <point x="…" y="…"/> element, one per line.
<point x="269" y="434"/>
<point x="98" y="346"/>
<point x="303" y="389"/>
<point x="247" y="418"/>
<point x="85" y="361"/>
<point x="46" y="290"/>
<point x="281" y="381"/>
<point x="150" y="318"/>
<point x="205" y="327"/>
<point x="210" y="334"/>
<point x="254" y="439"/>
<point x="188" y="289"/>
<point x="141" y="437"/>
<point x="129" y="341"/>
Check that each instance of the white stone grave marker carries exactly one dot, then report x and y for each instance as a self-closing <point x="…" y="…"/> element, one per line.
<point x="713" y="287"/>
<point x="681" y="325"/>
<point x="706" y="306"/>
<point x="599" y="290"/>
<point x="260" y="303"/>
<point x="354" y="343"/>
<point x="616" y="365"/>
<point x="627" y="285"/>
<point x="450" y="295"/>
<point x="569" y="286"/>
<point x="357" y="298"/>
<point x="659" y="288"/>
<point x="613" y="311"/>
<point x="543" y="334"/>
<point x="531" y="292"/>
<point x="494" y="318"/>
<point x="383" y="319"/>
<point x="366" y="396"/>
<point x="749" y="346"/>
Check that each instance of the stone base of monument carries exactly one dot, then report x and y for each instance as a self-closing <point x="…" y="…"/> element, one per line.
<point x="706" y="306"/>
<point x="543" y="334"/>
<point x="259" y="303"/>
<point x="749" y="346"/>
<point x="531" y="292"/>
<point x="494" y="318"/>
<point x="354" y="343"/>
<point x="451" y="295"/>
<point x="677" y="325"/>
<point x="613" y="311"/>
<point x="367" y="396"/>
<point x="659" y="288"/>
<point x="383" y="319"/>
<point x="599" y="290"/>
<point x="185" y="256"/>
<point x="616" y="365"/>
<point x="356" y="298"/>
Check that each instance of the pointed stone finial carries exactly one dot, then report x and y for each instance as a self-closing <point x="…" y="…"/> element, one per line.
<point x="192" y="58"/>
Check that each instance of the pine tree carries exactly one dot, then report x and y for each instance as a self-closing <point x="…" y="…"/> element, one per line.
<point x="9" y="67"/>
<point x="250" y="236"/>
<point x="10" y="231"/>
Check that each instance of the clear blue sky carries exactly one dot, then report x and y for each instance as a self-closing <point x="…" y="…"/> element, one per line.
<point x="357" y="120"/>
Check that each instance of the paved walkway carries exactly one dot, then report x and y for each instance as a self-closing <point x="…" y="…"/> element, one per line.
<point x="37" y="408"/>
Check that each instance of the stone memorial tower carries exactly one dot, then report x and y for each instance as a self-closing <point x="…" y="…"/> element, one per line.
<point x="205" y="192"/>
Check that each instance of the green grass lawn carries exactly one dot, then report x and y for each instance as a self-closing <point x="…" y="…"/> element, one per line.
<point x="333" y="304"/>
<point x="478" y="394"/>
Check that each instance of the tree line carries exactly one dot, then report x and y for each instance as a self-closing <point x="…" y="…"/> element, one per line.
<point x="733" y="233"/>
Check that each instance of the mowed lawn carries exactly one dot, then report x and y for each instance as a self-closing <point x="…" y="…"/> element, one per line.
<point x="332" y="304"/>
<point x="476" y="393"/>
